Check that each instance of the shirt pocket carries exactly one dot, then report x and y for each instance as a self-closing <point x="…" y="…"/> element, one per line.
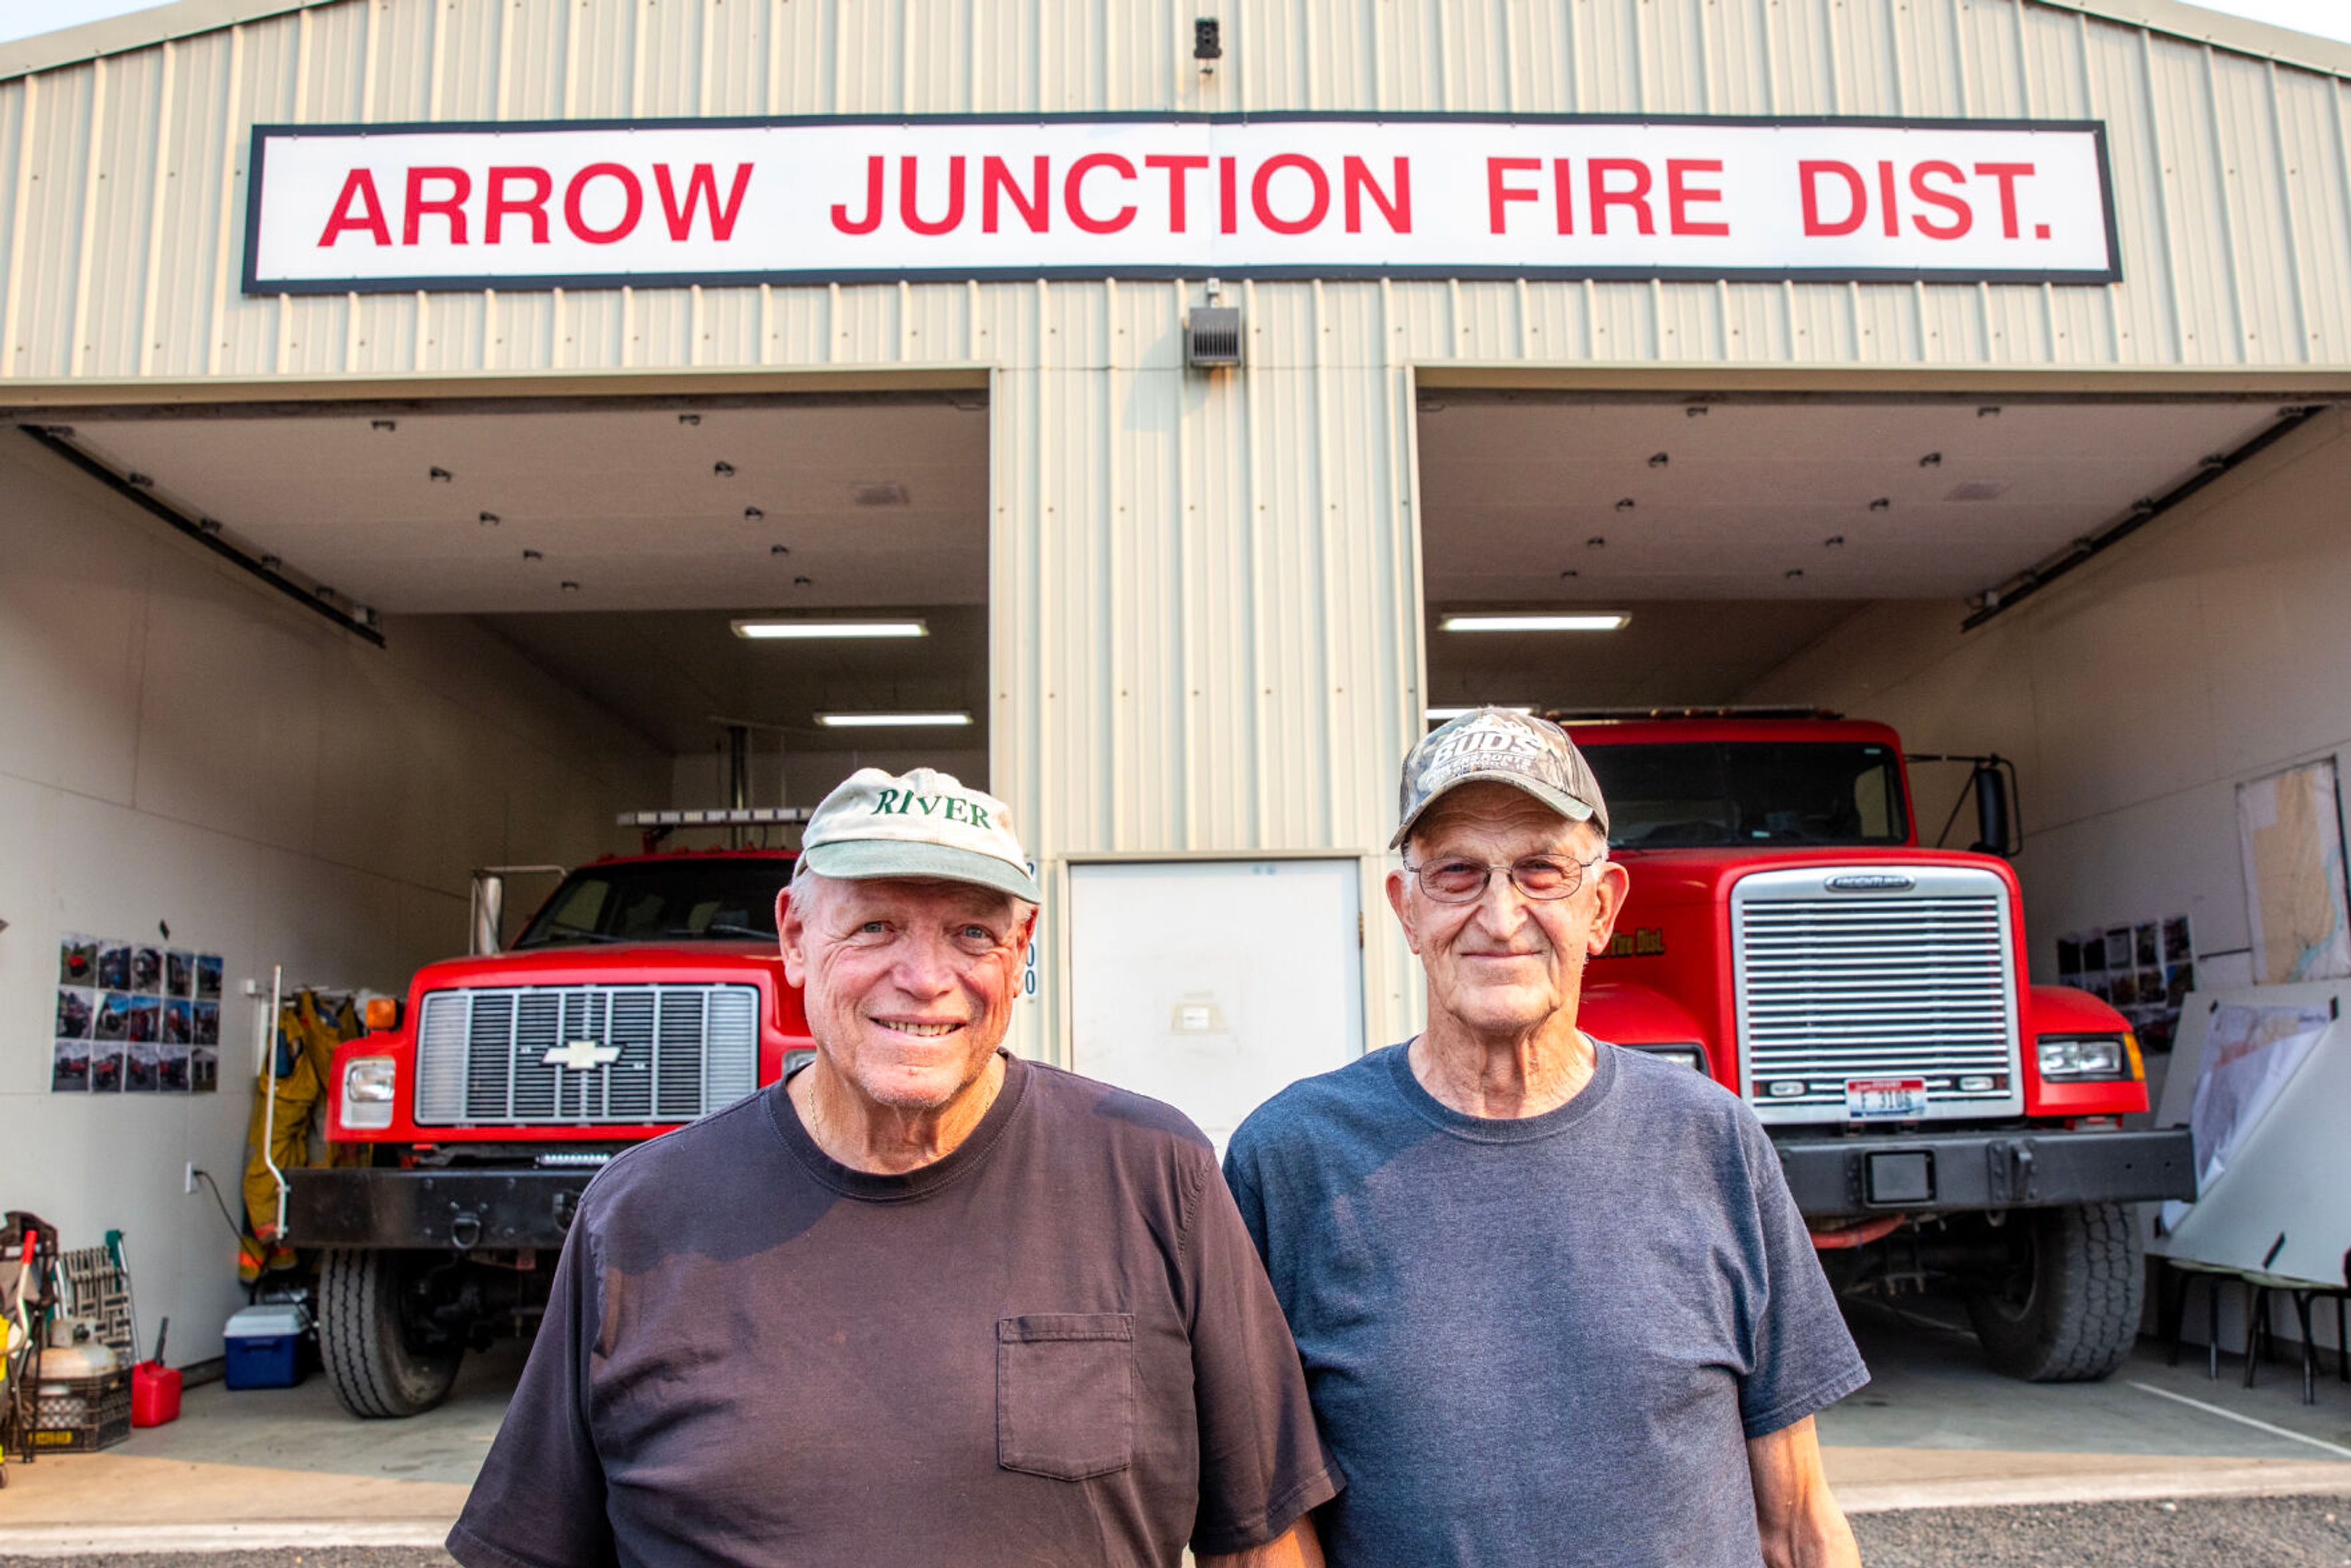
<point x="1065" y="1394"/>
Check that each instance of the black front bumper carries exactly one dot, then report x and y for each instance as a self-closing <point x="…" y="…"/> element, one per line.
<point x="1931" y="1172"/>
<point x="451" y="1209"/>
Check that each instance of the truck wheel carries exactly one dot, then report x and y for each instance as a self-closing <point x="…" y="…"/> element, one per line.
<point x="378" y="1360"/>
<point x="2067" y="1309"/>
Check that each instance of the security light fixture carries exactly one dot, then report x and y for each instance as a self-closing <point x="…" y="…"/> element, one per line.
<point x="1439" y="714"/>
<point x="893" y="720"/>
<point x="1212" y="337"/>
<point x="1596" y="620"/>
<point x="781" y="631"/>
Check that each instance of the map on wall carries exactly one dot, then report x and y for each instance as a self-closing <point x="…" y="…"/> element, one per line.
<point x="2292" y="841"/>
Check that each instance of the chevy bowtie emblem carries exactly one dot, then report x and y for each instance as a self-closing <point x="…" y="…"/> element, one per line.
<point x="1872" y="882"/>
<point x="581" y="1056"/>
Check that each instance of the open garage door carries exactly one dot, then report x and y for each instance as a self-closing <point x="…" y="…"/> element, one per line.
<point x="1827" y="912"/>
<point x="589" y="620"/>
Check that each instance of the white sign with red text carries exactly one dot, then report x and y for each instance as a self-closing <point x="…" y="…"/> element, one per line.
<point x="337" y="208"/>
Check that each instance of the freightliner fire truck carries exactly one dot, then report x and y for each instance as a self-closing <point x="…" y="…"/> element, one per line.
<point x="1941" y="1119"/>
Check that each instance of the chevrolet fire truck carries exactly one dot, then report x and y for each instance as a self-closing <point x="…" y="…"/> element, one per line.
<point x="645" y="991"/>
<point x="1941" y="1119"/>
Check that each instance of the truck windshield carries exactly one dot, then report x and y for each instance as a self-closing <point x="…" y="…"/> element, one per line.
<point x="684" y="900"/>
<point x="1701" y="793"/>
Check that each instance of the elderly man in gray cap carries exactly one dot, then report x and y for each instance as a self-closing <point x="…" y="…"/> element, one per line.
<point x="921" y="1303"/>
<point x="1554" y="1300"/>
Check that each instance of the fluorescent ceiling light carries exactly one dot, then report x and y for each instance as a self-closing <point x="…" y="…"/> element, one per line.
<point x="891" y="720"/>
<point x="1439" y="714"/>
<point x="1599" y="621"/>
<point x="764" y="631"/>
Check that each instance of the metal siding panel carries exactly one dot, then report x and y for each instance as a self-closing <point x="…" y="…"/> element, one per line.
<point x="59" y="170"/>
<point x="15" y="185"/>
<point x="112" y="283"/>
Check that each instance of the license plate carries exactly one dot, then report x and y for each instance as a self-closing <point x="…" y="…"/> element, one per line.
<point x="1889" y="1099"/>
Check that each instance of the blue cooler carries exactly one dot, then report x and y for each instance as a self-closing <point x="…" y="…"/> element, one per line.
<point x="264" y="1345"/>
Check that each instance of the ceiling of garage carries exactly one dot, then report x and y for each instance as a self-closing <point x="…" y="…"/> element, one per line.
<point x="672" y="673"/>
<point x="877" y="501"/>
<point x="1523" y="496"/>
<point x="1672" y="652"/>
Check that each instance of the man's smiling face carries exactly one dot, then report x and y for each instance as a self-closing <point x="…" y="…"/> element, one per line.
<point x="909" y="983"/>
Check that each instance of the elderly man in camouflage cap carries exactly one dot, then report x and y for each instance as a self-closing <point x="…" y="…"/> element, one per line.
<point x="1554" y="1300"/>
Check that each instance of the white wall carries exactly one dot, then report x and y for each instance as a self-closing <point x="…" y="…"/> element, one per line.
<point x="2211" y="648"/>
<point x="178" y="744"/>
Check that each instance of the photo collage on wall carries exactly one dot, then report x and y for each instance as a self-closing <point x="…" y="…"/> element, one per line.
<point x="135" y="1019"/>
<point x="2144" y="970"/>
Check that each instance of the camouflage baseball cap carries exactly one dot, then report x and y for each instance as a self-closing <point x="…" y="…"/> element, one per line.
<point x="1514" y="749"/>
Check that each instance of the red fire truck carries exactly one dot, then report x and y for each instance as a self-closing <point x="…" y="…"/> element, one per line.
<point x="1940" y="1118"/>
<point x="646" y="991"/>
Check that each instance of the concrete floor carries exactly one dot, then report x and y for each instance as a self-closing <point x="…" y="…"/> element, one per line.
<point x="1933" y="1429"/>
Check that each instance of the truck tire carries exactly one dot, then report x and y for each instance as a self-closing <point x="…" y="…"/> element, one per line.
<point x="379" y="1364"/>
<point x="2067" y="1310"/>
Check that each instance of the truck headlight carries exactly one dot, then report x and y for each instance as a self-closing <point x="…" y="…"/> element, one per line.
<point x="2088" y="1057"/>
<point x="1690" y="1056"/>
<point x="368" y="1085"/>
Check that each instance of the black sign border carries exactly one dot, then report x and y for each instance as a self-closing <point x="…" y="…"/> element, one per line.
<point x="253" y="284"/>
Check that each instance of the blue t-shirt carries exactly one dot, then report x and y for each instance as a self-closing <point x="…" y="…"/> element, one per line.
<point x="1542" y="1340"/>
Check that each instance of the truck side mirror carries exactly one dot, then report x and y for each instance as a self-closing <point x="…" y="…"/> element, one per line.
<point x="489" y="908"/>
<point x="1993" y="817"/>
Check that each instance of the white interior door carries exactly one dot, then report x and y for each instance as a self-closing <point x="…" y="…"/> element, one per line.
<point x="1212" y="984"/>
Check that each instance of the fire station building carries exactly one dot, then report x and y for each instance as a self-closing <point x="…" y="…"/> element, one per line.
<point x="433" y="427"/>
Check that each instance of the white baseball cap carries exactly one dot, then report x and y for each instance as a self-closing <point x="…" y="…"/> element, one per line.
<point x="925" y="823"/>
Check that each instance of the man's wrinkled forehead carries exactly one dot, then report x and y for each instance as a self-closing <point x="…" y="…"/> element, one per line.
<point x="1484" y="810"/>
<point x="853" y="899"/>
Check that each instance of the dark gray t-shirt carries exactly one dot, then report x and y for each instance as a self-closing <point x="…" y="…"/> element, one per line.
<point x="1541" y="1342"/>
<point x="1053" y="1346"/>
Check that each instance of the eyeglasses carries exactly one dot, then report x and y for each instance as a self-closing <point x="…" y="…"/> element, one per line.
<point x="1543" y="877"/>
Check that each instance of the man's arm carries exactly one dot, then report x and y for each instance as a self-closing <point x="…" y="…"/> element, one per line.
<point x="1297" y="1547"/>
<point x="1801" y="1523"/>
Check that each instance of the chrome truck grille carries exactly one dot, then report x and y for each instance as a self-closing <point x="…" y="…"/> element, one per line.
<point x="1876" y="972"/>
<point x="638" y="1053"/>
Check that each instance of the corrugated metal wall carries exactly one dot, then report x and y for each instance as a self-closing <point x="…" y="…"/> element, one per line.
<point x="1204" y="590"/>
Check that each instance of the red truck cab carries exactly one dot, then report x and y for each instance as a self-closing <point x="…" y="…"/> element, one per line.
<point x="647" y="991"/>
<point x="1936" y="1115"/>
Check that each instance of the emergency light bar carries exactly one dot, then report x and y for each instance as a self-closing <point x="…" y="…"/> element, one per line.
<point x="719" y="817"/>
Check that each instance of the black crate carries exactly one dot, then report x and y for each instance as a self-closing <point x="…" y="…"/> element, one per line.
<point x="80" y="1415"/>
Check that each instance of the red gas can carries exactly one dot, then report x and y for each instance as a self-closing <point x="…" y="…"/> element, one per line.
<point x="154" y="1393"/>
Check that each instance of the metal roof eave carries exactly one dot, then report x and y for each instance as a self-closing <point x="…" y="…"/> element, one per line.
<point x="185" y="18"/>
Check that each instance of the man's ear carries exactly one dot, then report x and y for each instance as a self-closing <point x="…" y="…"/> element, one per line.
<point x="1403" y="908"/>
<point x="1609" y="887"/>
<point x="791" y="934"/>
<point x="1024" y="935"/>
